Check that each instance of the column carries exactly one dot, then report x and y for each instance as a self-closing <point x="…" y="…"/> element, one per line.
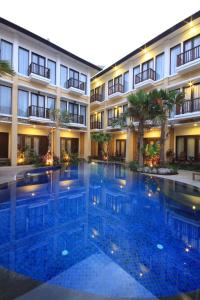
<point x="14" y="126"/>
<point x="56" y="132"/>
<point x="129" y="146"/>
<point x="87" y="139"/>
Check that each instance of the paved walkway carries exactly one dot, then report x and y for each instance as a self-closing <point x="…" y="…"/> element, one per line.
<point x="8" y="174"/>
<point x="182" y="176"/>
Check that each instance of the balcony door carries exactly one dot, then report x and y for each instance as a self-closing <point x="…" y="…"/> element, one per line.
<point x="146" y="66"/>
<point x="188" y="148"/>
<point x="38" y="59"/>
<point x="191" y="44"/>
<point x="4" y="145"/>
<point x="121" y="148"/>
<point x="38" y="105"/>
<point x="70" y="145"/>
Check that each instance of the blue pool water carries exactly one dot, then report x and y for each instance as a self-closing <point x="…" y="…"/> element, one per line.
<point x="102" y="230"/>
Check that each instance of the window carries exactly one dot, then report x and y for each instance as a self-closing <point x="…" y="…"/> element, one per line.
<point x="118" y="80"/>
<point x="84" y="80"/>
<point x="37" y="100"/>
<point x="160" y="66"/>
<point x="125" y="108"/>
<point x="23" y="102"/>
<point x="63" y="106"/>
<point x="51" y="103"/>
<point x="73" y="74"/>
<point x="63" y="76"/>
<point x="110" y="86"/>
<point x="191" y="43"/>
<point x="37" y="59"/>
<point x="126" y="82"/>
<point x="73" y="108"/>
<point x="6" y="51"/>
<point x="136" y="71"/>
<point x="5" y="100"/>
<point x="52" y="67"/>
<point x="83" y="113"/>
<point x="147" y="65"/>
<point x="173" y="58"/>
<point x="23" y="61"/>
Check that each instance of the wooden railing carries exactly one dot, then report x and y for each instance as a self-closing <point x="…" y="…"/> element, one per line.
<point x="188" y="106"/>
<point x="96" y="125"/>
<point x="75" y="83"/>
<point x="188" y="56"/>
<point x="96" y="97"/>
<point x="40" y="112"/>
<point x="39" y="70"/>
<point x="145" y="75"/>
<point x="118" y="87"/>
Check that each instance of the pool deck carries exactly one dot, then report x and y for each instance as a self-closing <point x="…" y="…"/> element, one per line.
<point x="182" y="176"/>
<point x="8" y="174"/>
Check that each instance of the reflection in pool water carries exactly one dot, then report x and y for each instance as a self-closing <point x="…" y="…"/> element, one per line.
<point x="102" y="230"/>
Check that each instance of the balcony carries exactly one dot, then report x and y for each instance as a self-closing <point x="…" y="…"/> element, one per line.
<point x="76" y="86"/>
<point x="145" y="79"/>
<point x="39" y="114"/>
<point x="39" y="74"/>
<point x="96" y="99"/>
<point x="188" y="107"/>
<point x="188" y="60"/>
<point x="115" y="91"/>
<point x="76" y="120"/>
<point x="96" y="125"/>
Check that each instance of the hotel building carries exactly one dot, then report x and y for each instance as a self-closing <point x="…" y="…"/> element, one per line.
<point x="169" y="61"/>
<point x="48" y="77"/>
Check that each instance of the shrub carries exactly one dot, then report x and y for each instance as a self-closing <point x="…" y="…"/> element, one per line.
<point x="133" y="165"/>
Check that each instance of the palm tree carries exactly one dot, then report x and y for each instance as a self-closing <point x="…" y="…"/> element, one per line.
<point x="5" y="68"/>
<point x="165" y="100"/>
<point x="103" y="138"/>
<point x="143" y="110"/>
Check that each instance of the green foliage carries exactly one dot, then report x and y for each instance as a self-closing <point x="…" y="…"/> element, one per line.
<point x="133" y="165"/>
<point x="5" y="68"/>
<point x="101" y="137"/>
<point x="151" y="150"/>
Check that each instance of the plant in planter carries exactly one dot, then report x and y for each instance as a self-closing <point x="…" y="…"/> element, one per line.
<point x="151" y="153"/>
<point x="104" y="139"/>
<point x="170" y="155"/>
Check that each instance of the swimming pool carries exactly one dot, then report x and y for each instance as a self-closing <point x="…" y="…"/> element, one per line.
<point x="103" y="230"/>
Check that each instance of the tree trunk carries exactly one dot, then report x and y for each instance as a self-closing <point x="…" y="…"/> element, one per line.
<point x="163" y="137"/>
<point x="140" y="144"/>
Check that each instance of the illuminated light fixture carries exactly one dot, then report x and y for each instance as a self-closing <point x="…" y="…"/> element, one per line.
<point x="33" y="194"/>
<point x="187" y="249"/>
<point x="121" y="186"/>
<point x="112" y="251"/>
<point x="141" y="274"/>
<point x="65" y="252"/>
<point x="158" y="189"/>
<point x="145" y="50"/>
<point x="190" y="83"/>
<point x="193" y="207"/>
<point x="34" y="126"/>
<point x="160" y="247"/>
<point x="195" y="124"/>
<point x="191" y="24"/>
<point x="149" y="194"/>
<point x="93" y="236"/>
<point x="68" y="187"/>
<point x="93" y="163"/>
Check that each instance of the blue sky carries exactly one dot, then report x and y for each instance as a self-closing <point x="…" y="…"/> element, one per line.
<point x="99" y="31"/>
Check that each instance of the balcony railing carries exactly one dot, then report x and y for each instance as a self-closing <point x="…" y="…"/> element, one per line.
<point x="74" y="118"/>
<point x="188" y="56"/>
<point x="39" y="112"/>
<point x="96" y="97"/>
<point x="116" y="88"/>
<point x="145" y="75"/>
<point x="96" y="125"/>
<point x="75" y="83"/>
<point x="188" y="106"/>
<point x="39" y="70"/>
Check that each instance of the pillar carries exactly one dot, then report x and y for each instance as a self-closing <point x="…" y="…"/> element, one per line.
<point x="129" y="146"/>
<point x="14" y="126"/>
